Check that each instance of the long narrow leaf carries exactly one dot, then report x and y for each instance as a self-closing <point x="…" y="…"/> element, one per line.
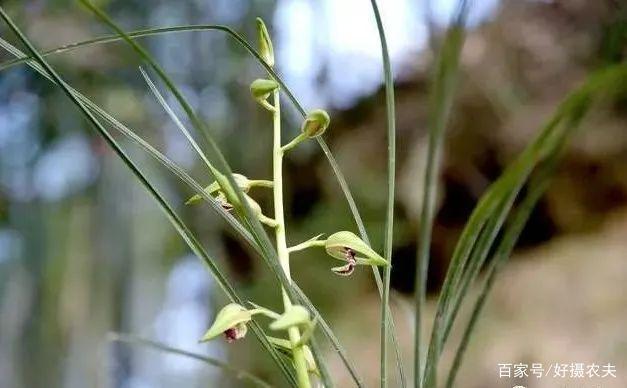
<point x="537" y="186"/>
<point x="545" y="145"/>
<point x="503" y="252"/>
<point x="389" y="216"/>
<point x="440" y="105"/>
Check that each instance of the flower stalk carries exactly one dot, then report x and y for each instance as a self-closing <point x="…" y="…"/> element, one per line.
<point x="298" y="352"/>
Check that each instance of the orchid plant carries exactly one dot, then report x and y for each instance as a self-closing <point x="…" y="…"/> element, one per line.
<point x="503" y="210"/>
<point x="345" y="246"/>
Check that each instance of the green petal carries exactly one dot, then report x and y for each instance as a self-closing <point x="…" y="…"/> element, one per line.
<point x="337" y="243"/>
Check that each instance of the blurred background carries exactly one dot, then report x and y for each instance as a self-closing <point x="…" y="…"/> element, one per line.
<point x="85" y="251"/>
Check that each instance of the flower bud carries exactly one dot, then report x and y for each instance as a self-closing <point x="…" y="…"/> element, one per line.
<point x="230" y="321"/>
<point x="316" y="123"/>
<point x="261" y="88"/>
<point x="348" y="247"/>
<point x="294" y="316"/>
<point x="265" y="43"/>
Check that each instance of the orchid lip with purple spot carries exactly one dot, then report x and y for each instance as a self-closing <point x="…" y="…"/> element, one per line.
<point x="230" y="334"/>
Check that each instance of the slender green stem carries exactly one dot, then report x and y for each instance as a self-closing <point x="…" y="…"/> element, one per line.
<point x="283" y="253"/>
<point x="441" y="100"/>
<point x="305" y="245"/>
<point x="296" y="141"/>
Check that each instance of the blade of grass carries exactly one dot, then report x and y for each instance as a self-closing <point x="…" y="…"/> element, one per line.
<point x="480" y="251"/>
<point x="237" y="373"/>
<point x="180" y="227"/>
<point x="563" y="125"/>
<point x="537" y="186"/>
<point x="389" y="217"/>
<point x="503" y="252"/>
<point x="511" y="180"/>
<point x="441" y="102"/>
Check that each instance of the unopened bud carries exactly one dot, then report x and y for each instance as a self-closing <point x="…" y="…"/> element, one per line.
<point x="261" y="88"/>
<point x="316" y="123"/>
<point x="265" y="43"/>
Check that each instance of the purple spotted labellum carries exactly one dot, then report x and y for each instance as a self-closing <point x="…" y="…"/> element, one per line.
<point x="236" y="332"/>
<point x="349" y="268"/>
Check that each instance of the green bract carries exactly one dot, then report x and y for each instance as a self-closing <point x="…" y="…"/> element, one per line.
<point x="293" y="316"/>
<point x="265" y="43"/>
<point x="230" y="321"/>
<point x="316" y="123"/>
<point x="342" y="245"/>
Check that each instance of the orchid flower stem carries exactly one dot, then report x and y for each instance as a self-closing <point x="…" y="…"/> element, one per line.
<point x="296" y="141"/>
<point x="305" y="245"/>
<point x="298" y="354"/>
